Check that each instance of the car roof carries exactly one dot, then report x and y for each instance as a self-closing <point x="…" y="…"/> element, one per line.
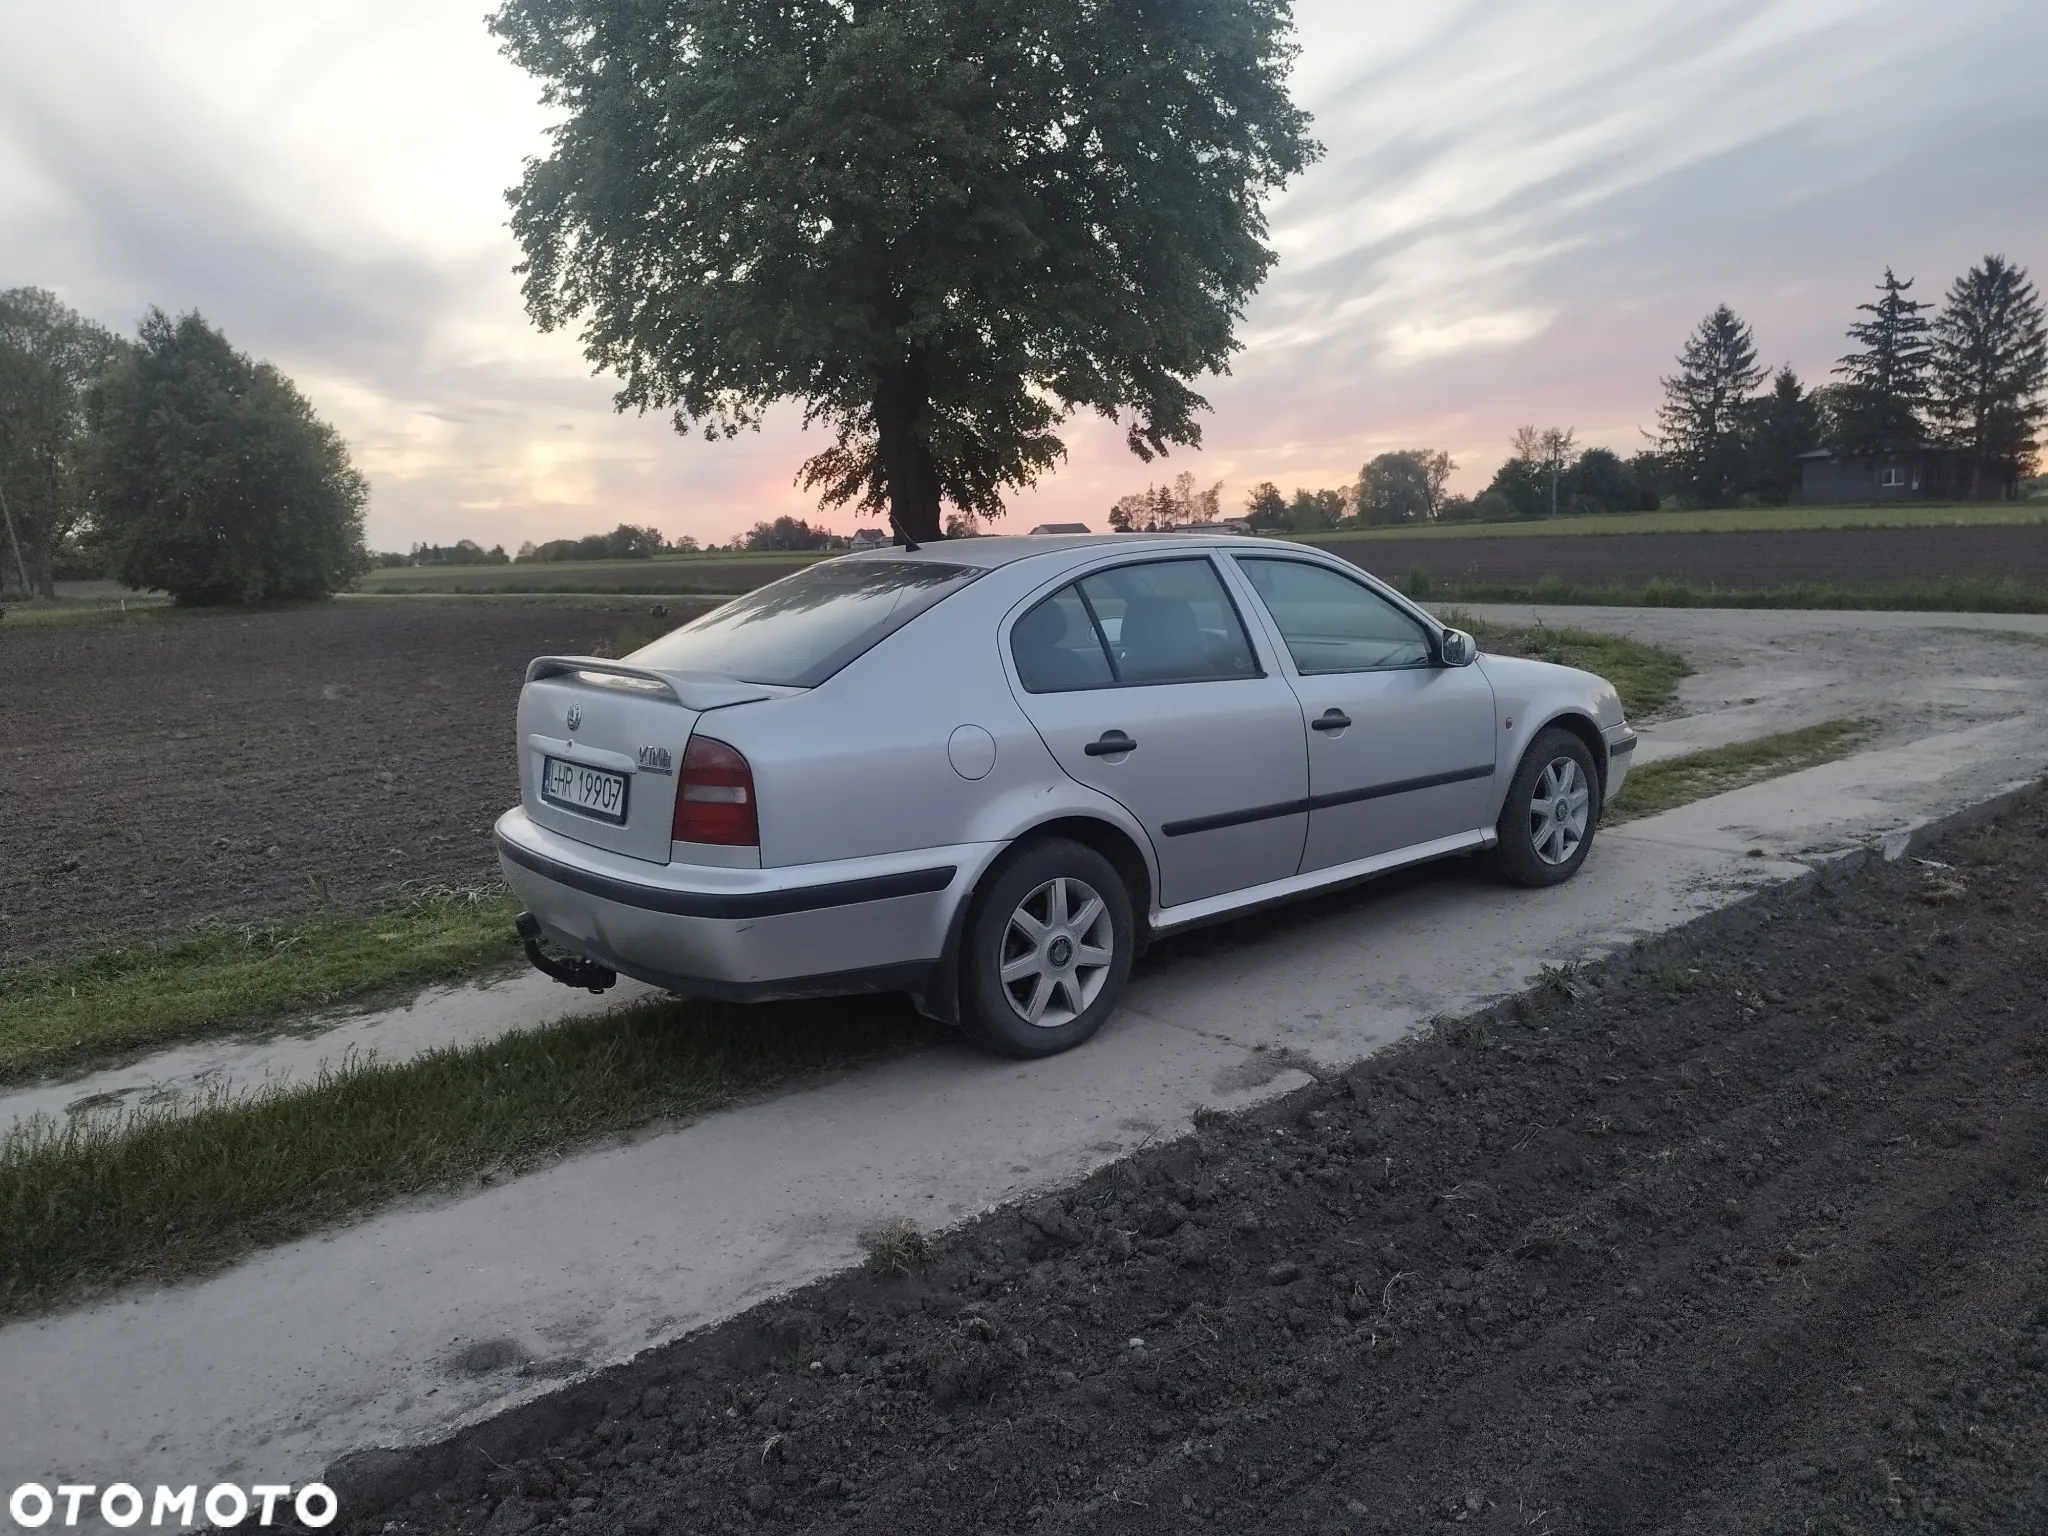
<point x="991" y="551"/>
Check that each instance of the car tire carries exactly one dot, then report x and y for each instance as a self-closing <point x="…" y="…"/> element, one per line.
<point x="1046" y="950"/>
<point x="1546" y="826"/>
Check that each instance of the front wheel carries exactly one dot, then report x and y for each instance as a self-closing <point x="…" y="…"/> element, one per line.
<point x="1047" y="950"/>
<point x="1546" y="827"/>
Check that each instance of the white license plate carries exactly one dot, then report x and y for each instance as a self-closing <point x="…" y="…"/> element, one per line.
<point x="579" y="787"/>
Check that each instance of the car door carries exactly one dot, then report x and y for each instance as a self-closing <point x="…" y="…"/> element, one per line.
<point x="1145" y="684"/>
<point x="1401" y="749"/>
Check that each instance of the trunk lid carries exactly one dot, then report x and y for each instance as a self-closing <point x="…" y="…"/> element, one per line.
<point x="601" y="742"/>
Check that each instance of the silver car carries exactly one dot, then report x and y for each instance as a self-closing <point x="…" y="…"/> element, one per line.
<point x="988" y="771"/>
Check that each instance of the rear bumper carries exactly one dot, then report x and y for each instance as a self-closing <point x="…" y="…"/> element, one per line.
<point x="1621" y="749"/>
<point x="747" y="935"/>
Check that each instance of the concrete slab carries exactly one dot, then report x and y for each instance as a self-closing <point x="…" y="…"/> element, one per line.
<point x="187" y="1074"/>
<point x="422" y="1317"/>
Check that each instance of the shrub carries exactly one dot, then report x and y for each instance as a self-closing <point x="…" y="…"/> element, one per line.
<point x="217" y="482"/>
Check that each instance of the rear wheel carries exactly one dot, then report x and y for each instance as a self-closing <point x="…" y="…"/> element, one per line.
<point x="1546" y="827"/>
<point x="1047" y="950"/>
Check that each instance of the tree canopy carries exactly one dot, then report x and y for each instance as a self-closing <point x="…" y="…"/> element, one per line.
<point x="1700" y="423"/>
<point x="942" y="225"/>
<point x="1880" y="403"/>
<point x="1990" y="369"/>
<point x="1404" y="487"/>
<point x="217" y="482"/>
<point x="51" y="360"/>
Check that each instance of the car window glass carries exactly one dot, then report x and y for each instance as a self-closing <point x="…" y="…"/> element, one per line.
<point x="1169" y="621"/>
<point x="798" y="631"/>
<point x="1334" y="624"/>
<point x="1056" y="646"/>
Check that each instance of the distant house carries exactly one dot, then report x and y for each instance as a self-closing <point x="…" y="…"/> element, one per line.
<point x="1062" y="528"/>
<point x="1234" y="525"/>
<point x="867" y="538"/>
<point x="1925" y="473"/>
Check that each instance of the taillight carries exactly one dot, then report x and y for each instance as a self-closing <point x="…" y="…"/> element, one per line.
<point x="715" y="797"/>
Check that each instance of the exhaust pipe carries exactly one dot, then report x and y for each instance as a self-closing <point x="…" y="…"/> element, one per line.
<point x="569" y="970"/>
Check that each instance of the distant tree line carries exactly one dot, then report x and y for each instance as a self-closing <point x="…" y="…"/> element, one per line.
<point x="1973" y="379"/>
<point x="169" y="461"/>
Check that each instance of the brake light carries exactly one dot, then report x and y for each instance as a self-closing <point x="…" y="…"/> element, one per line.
<point x="715" y="797"/>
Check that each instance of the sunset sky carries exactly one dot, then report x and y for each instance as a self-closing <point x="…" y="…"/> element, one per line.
<point x="1523" y="208"/>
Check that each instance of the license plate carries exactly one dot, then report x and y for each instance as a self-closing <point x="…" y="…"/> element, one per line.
<point x="579" y="787"/>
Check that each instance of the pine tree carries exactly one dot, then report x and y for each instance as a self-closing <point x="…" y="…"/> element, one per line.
<point x="1700" y="421"/>
<point x="1991" y="372"/>
<point x="1782" y="425"/>
<point x="1885" y="390"/>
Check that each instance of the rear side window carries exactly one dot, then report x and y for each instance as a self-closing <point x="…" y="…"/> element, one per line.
<point x="1057" y="647"/>
<point x="1168" y="621"/>
<point x="1334" y="624"/>
<point x="798" y="631"/>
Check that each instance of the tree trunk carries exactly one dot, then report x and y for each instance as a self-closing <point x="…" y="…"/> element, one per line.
<point x="42" y="569"/>
<point x="900" y="406"/>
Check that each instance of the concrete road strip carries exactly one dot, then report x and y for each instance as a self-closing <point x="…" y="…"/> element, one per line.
<point x="420" y="1318"/>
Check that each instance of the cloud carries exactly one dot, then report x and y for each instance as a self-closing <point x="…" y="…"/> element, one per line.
<point x="1524" y="206"/>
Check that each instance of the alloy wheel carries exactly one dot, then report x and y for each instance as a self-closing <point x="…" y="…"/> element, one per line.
<point x="1057" y="948"/>
<point x="1560" y="807"/>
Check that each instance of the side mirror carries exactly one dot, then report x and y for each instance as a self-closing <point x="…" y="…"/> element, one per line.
<point x="1459" y="648"/>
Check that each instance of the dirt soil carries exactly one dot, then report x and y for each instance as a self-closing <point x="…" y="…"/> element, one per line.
<point x="1743" y="561"/>
<point x="164" y="774"/>
<point x="1743" y="1231"/>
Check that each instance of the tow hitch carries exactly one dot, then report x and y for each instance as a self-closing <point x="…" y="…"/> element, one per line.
<point x="569" y="970"/>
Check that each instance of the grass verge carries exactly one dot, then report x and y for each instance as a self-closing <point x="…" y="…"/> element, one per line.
<point x="1679" y="781"/>
<point x="111" y="1001"/>
<point x="1950" y="594"/>
<point x="1794" y="519"/>
<point x="160" y="1194"/>
<point x="1646" y="676"/>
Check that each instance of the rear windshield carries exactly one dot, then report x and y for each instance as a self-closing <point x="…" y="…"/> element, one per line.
<point x="798" y="631"/>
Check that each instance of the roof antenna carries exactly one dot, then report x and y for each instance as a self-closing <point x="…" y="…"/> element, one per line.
<point x="909" y="544"/>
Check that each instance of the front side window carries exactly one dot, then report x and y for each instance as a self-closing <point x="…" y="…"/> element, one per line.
<point x="1332" y="623"/>
<point x="798" y="631"/>
<point x="1168" y="621"/>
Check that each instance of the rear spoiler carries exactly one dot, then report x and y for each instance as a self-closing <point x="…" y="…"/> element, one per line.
<point x="692" y="690"/>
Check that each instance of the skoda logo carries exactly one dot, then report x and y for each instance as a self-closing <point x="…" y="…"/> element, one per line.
<point x="1061" y="952"/>
<point x="575" y="716"/>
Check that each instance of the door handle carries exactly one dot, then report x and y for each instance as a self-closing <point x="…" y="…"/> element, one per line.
<point x="1110" y="744"/>
<point x="1331" y="720"/>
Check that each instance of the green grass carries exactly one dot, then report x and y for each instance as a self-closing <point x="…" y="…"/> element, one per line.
<point x="1975" y="514"/>
<point x="1677" y="781"/>
<point x="160" y="1194"/>
<point x="681" y="575"/>
<point x="45" y="614"/>
<point x="114" y="1001"/>
<point x="1948" y="594"/>
<point x="1646" y="676"/>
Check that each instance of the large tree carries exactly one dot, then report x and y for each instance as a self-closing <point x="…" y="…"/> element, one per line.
<point x="1880" y="405"/>
<point x="217" y="483"/>
<point x="1782" y="424"/>
<point x="942" y="225"/>
<point x="1700" y="422"/>
<point x="1991" y="372"/>
<point x="1404" y="487"/>
<point x="51" y="359"/>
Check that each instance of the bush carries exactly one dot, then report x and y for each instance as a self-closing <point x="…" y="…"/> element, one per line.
<point x="217" y="482"/>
